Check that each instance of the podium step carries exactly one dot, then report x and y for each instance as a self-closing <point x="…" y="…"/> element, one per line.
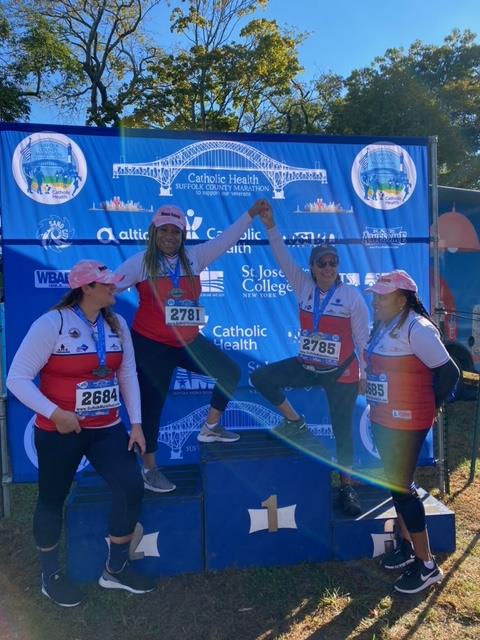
<point x="258" y="502"/>
<point x="265" y="504"/>
<point x="372" y="532"/>
<point x="173" y="539"/>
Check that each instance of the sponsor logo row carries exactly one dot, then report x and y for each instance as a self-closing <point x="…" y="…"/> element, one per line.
<point x="259" y="281"/>
<point x="57" y="234"/>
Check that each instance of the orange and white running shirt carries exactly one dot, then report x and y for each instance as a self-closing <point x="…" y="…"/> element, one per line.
<point x="343" y="327"/>
<point x="154" y="295"/>
<point x="399" y="377"/>
<point x="59" y="347"/>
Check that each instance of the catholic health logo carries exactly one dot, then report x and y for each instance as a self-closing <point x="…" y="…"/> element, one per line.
<point x="49" y="168"/>
<point x="384" y="176"/>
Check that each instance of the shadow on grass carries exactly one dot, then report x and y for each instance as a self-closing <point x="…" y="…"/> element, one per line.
<point x="443" y="586"/>
<point x="330" y="601"/>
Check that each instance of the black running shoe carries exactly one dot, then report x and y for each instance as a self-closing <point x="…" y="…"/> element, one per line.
<point x="401" y="557"/>
<point x="417" y="577"/>
<point x="126" y="579"/>
<point x="291" y="428"/>
<point x="61" y="591"/>
<point x="348" y="501"/>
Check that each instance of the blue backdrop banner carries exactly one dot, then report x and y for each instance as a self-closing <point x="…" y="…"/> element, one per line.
<point x="69" y="193"/>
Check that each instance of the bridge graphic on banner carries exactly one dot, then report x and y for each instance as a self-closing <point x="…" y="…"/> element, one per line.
<point x="223" y="155"/>
<point x="240" y="415"/>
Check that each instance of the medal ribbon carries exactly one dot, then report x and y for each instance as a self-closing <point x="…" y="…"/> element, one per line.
<point x="173" y="274"/>
<point x="98" y="336"/>
<point x="378" y="336"/>
<point x="319" y="308"/>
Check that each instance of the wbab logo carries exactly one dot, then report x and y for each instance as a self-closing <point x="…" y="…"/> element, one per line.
<point x="49" y="168"/>
<point x="384" y="176"/>
<point x="51" y="279"/>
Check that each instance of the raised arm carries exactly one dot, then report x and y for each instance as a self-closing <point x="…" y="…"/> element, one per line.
<point x="133" y="271"/>
<point x="209" y="251"/>
<point x="295" y="275"/>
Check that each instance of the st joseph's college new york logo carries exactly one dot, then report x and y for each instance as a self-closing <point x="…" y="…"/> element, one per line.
<point x="384" y="176"/>
<point x="49" y="168"/>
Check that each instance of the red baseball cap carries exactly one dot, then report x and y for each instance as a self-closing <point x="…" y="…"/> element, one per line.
<point x="388" y="282"/>
<point x="88" y="271"/>
<point x="170" y="214"/>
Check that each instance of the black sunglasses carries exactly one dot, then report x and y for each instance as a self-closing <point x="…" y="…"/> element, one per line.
<point x="321" y="264"/>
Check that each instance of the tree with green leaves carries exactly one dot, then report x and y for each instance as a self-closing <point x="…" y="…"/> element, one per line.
<point x="14" y="105"/>
<point x="308" y="106"/>
<point x="104" y="52"/>
<point x="214" y="82"/>
<point x="431" y="90"/>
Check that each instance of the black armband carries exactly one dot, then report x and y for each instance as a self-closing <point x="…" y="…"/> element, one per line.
<point x="445" y="379"/>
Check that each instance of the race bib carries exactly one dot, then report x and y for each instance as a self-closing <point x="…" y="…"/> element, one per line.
<point x="96" y="397"/>
<point x="320" y="348"/>
<point x="178" y="314"/>
<point x="377" y="389"/>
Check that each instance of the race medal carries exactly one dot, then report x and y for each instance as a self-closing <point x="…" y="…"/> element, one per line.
<point x="320" y="348"/>
<point x="102" y="371"/>
<point x="377" y="389"/>
<point x="176" y="293"/>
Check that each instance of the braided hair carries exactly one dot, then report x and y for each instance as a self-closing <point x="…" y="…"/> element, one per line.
<point x="153" y="255"/>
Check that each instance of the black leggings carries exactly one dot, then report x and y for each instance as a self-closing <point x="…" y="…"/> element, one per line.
<point x="58" y="458"/>
<point x="399" y="451"/>
<point x="271" y="380"/>
<point x="156" y="363"/>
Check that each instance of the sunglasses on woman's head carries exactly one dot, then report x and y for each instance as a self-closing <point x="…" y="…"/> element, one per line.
<point x="321" y="264"/>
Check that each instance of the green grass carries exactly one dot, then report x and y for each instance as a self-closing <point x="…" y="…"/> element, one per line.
<point x="329" y="601"/>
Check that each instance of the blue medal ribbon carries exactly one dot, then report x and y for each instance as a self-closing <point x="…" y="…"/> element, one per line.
<point x="319" y="308"/>
<point x="173" y="274"/>
<point x="381" y="331"/>
<point x="99" y="339"/>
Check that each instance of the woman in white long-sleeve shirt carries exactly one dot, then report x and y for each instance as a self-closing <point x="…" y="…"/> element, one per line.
<point x="165" y="329"/>
<point x="83" y="355"/>
<point x="334" y="332"/>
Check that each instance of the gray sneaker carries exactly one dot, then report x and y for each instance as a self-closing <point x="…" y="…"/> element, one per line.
<point x="217" y="434"/>
<point x="154" y="480"/>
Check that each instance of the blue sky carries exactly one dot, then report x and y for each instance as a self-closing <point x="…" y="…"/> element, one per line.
<point x="346" y="34"/>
